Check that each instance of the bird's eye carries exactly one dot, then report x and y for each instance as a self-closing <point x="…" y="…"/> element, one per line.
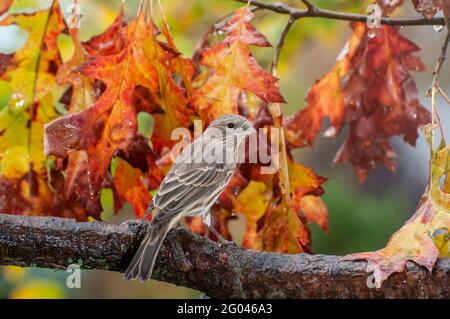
<point x="230" y="125"/>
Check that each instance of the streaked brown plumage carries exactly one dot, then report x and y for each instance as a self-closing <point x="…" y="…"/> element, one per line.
<point x="191" y="187"/>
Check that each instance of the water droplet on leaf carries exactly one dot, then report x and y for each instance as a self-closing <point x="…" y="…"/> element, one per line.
<point x="330" y="132"/>
<point x="438" y="27"/>
<point x="372" y="33"/>
<point x="17" y="102"/>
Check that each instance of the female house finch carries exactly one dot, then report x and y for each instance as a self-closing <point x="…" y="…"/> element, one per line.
<point x="196" y="179"/>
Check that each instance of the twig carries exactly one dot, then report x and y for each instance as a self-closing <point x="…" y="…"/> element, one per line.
<point x="309" y="5"/>
<point x="220" y="271"/>
<point x="435" y="88"/>
<point x="328" y="14"/>
<point x="440" y="62"/>
<point x="280" y="44"/>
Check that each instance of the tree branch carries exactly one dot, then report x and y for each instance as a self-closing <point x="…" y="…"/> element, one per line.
<point x="314" y="12"/>
<point x="308" y="5"/>
<point x="221" y="271"/>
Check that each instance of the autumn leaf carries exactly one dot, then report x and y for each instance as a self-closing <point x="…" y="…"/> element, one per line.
<point x="258" y="194"/>
<point x="315" y="211"/>
<point x="82" y="93"/>
<point x="415" y="241"/>
<point x="109" y="42"/>
<point x="269" y="215"/>
<point x="283" y="230"/>
<point x="4" y="6"/>
<point x="427" y="8"/>
<point x="180" y="65"/>
<point x="109" y="125"/>
<point x="31" y="73"/>
<point x="388" y="6"/>
<point x="233" y="70"/>
<point x="306" y="187"/>
<point x="129" y="186"/>
<point x="390" y="108"/>
<point x="441" y="238"/>
<point x="171" y="97"/>
<point x="325" y="99"/>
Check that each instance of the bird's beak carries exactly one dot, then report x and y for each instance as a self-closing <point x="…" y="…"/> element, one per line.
<point x="250" y="130"/>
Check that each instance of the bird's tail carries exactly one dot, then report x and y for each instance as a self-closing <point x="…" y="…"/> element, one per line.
<point x="144" y="260"/>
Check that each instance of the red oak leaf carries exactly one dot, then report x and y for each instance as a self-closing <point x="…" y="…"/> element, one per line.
<point x="389" y="108"/>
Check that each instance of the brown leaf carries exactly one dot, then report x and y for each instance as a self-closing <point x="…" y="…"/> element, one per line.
<point x="389" y="108"/>
<point x="427" y="8"/>
<point x="388" y="6"/>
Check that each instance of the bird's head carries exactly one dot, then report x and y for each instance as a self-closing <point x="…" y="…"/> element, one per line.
<point x="232" y="124"/>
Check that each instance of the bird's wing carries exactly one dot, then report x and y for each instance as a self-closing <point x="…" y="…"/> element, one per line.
<point x="190" y="187"/>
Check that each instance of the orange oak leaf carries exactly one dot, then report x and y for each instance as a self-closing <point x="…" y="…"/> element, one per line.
<point x="83" y="92"/>
<point x="315" y="211"/>
<point x="82" y="88"/>
<point x="4" y="6"/>
<point x="180" y="65"/>
<point x="252" y="202"/>
<point x="232" y="70"/>
<point x="109" y="125"/>
<point x="111" y="41"/>
<point x="414" y="241"/>
<point x="303" y="181"/>
<point x="283" y="230"/>
<point x="390" y="108"/>
<point x="268" y="215"/>
<point x="306" y="187"/>
<point x="129" y="186"/>
<point x="170" y="97"/>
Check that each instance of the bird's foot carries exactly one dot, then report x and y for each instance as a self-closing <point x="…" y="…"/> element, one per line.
<point x="220" y="238"/>
<point x="224" y="241"/>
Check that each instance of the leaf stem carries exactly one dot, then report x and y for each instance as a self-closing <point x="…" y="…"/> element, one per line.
<point x="277" y="112"/>
<point x="435" y="88"/>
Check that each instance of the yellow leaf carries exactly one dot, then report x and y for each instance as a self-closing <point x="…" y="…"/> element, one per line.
<point x="38" y="289"/>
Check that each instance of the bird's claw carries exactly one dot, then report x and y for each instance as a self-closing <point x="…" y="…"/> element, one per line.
<point x="220" y="238"/>
<point x="224" y="241"/>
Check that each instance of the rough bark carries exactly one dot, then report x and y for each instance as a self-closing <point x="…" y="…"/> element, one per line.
<point x="220" y="271"/>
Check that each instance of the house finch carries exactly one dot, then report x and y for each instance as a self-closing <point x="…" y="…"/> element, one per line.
<point x="196" y="179"/>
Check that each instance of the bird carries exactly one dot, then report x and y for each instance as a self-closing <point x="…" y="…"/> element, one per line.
<point x="193" y="184"/>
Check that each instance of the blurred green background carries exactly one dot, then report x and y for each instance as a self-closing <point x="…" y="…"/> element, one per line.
<point x="362" y="217"/>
